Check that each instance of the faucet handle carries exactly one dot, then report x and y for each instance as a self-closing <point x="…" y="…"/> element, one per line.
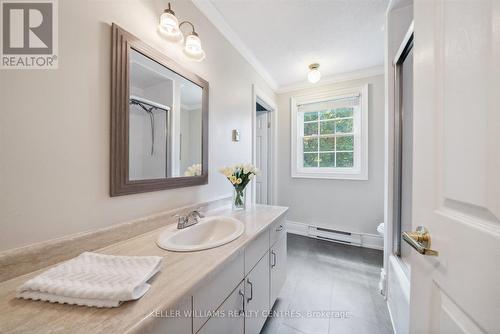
<point x="180" y="217"/>
<point x="200" y="213"/>
<point x="197" y="213"/>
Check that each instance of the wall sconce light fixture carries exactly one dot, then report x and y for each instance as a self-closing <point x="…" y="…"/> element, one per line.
<point x="170" y="28"/>
<point x="169" y="25"/>
<point x="192" y="45"/>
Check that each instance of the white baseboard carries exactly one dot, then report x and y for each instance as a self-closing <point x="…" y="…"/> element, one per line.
<point x="367" y="240"/>
<point x="296" y="228"/>
<point x="372" y="241"/>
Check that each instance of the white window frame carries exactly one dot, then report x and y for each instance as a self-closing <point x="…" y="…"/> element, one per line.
<point x="360" y="169"/>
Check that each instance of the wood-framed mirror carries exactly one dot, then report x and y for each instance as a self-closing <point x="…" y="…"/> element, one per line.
<point x="159" y="120"/>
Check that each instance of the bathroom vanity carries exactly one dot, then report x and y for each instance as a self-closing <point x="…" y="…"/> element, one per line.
<point x="239" y="297"/>
<point x="227" y="289"/>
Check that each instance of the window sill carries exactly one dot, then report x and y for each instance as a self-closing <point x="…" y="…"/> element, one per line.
<point x="331" y="176"/>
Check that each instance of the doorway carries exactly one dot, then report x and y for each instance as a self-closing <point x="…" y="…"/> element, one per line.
<point x="264" y="123"/>
<point x="262" y="140"/>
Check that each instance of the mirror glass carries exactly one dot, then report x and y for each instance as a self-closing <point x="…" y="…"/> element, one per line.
<point x="165" y="122"/>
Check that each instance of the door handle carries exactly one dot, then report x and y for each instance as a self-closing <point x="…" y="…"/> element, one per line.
<point x="273" y="262"/>
<point x="242" y="311"/>
<point x="279" y="228"/>
<point x="251" y="290"/>
<point x="420" y="240"/>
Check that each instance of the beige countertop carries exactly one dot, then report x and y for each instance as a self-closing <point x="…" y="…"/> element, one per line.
<point x="181" y="274"/>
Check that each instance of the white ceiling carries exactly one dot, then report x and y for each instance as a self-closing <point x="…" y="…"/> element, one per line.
<point x="283" y="37"/>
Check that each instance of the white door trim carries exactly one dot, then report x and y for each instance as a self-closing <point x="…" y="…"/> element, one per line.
<point x="258" y="93"/>
<point x="401" y="36"/>
<point x="394" y="281"/>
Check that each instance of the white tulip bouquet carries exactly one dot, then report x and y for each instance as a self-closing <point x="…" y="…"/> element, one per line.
<point x="239" y="175"/>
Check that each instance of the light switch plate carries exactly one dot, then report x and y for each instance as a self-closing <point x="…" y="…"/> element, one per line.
<point x="236" y="135"/>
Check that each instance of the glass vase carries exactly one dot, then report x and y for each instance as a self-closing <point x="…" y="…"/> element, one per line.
<point x="239" y="199"/>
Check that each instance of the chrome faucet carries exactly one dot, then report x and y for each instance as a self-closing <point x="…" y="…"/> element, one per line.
<point x="191" y="219"/>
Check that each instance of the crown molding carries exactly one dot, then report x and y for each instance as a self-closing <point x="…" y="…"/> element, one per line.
<point x="341" y="77"/>
<point x="214" y="16"/>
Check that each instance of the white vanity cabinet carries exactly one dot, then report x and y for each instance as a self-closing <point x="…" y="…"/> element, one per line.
<point x="215" y="289"/>
<point x="257" y="296"/>
<point x="176" y="320"/>
<point x="229" y="318"/>
<point x="250" y="282"/>
<point x="277" y="261"/>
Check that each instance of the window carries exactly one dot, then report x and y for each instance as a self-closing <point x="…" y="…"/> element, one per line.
<point x="330" y="135"/>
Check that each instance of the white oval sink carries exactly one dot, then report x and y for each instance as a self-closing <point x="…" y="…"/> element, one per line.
<point x="210" y="232"/>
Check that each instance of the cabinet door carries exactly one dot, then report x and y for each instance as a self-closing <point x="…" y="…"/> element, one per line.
<point x="278" y="268"/>
<point x="175" y="320"/>
<point x="257" y="296"/>
<point x="215" y="289"/>
<point x="229" y="317"/>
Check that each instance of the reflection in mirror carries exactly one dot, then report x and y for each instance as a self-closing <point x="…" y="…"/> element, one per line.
<point x="165" y="122"/>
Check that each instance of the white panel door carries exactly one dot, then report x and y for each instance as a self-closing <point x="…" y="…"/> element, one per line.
<point x="456" y="160"/>
<point x="261" y="151"/>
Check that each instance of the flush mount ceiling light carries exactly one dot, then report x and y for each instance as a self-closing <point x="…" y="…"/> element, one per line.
<point x="170" y="28"/>
<point x="314" y="74"/>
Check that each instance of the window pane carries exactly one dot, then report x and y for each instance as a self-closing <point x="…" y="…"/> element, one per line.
<point x="310" y="116"/>
<point x="344" y="112"/>
<point x="310" y="160"/>
<point x="345" y="159"/>
<point x="310" y="129"/>
<point x="327" y="114"/>
<point x="327" y="144"/>
<point x="345" y="143"/>
<point x="344" y="126"/>
<point x="327" y="128"/>
<point x="327" y="159"/>
<point x="310" y="144"/>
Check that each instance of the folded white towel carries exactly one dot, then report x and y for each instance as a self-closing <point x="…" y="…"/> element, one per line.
<point x="93" y="279"/>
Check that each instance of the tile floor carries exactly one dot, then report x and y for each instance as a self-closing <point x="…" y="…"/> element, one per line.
<point x="327" y="276"/>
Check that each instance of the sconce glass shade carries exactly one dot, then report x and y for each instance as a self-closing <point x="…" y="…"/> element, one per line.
<point x="314" y="74"/>
<point x="169" y="26"/>
<point x="192" y="48"/>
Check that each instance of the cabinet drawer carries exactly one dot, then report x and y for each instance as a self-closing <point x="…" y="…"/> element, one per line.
<point x="256" y="250"/>
<point x="213" y="292"/>
<point x="277" y="230"/>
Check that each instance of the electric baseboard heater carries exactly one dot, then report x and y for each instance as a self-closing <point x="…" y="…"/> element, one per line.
<point x="343" y="237"/>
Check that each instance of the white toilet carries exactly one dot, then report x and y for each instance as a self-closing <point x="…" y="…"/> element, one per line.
<point x="380" y="229"/>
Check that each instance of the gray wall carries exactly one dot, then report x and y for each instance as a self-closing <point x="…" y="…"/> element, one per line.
<point x="55" y="129"/>
<point x="349" y="205"/>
